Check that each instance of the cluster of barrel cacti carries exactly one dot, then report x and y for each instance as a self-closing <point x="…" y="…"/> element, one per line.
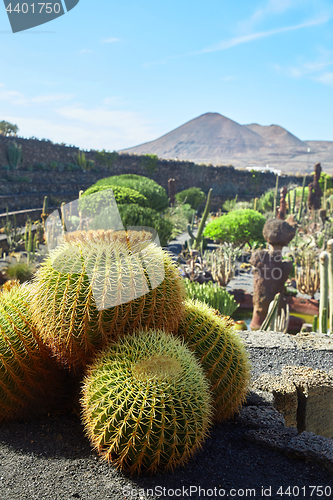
<point x="155" y="370"/>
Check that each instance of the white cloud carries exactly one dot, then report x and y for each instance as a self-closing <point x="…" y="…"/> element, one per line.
<point x="110" y="40"/>
<point x="18" y="99"/>
<point x="114" y="131"/>
<point x="272" y="7"/>
<point x="86" y="51"/>
<point x="238" y="40"/>
<point x="326" y="78"/>
<point x="232" y="42"/>
<point x="102" y="128"/>
<point x="227" y="78"/>
<point x="311" y="69"/>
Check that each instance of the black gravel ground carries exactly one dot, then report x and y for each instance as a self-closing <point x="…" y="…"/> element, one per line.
<point x="49" y="458"/>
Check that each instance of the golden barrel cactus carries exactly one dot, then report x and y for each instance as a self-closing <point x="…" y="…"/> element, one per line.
<point x="222" y="355"/>
<point x="98" y="285"/>
<point x="30" y="381"/>
<point x="146" y="403"/>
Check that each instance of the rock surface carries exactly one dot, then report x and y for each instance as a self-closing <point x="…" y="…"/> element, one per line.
<point x="291" y="412"/>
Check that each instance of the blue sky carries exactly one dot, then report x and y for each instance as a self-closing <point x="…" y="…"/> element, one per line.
<point x="116" y="74"/>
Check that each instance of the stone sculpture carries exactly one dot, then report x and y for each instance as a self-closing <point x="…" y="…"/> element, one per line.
<point x="270" y="272"/>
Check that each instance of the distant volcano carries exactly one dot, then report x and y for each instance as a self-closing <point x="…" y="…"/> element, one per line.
<point x="214" y="138"/>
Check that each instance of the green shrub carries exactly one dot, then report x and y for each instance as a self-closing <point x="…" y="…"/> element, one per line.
<point x="237" y="227"/>
<point x="95" y="204"/>
<point x="149" y="163"/>
<point x="193" y="196"/>
<point x="213" y="295"/>
<point x="180" y="216"/>
<point x="106" y="158"/>
<point x="155" y="194"/>
<point x="266" y="201"/>
<point x="20" y="271"/>
<point x="134" y="215"/>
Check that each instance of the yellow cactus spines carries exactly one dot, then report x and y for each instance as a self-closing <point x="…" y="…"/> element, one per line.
<point x="221" y="353"/>
<point x="146" y="403"/>
<point x="98" y="285"/>
<point x="29" y="378"/>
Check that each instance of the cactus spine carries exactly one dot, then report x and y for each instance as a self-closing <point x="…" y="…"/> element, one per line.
<point x="323" y="302"/>
<point x="221" y="353"/>
<point x="98" y="264"/>
<point x="146" y="403"/>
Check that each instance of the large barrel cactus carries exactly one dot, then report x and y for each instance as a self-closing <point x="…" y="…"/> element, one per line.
<point x="146" y="402"/>
<point x="98" y="285"/>
<point x="221" y="353"/>
<point x="29" y="379"/>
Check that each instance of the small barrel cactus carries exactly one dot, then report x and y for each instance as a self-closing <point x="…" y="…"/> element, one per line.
<point x="221" y="353"/>
<point x="98" y="285"/>
<point x="28" y="376"/>
<point x="146" y="403"/>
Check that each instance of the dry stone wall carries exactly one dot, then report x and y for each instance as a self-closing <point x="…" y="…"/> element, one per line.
<point x="25" y="188"/>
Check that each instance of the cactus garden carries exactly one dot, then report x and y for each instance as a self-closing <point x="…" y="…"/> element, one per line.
<point x="105" y="327"/>
<point x="138" y="341"/>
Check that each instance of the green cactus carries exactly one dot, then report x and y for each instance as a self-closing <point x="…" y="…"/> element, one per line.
<point x="276" y="193"/>
<point x="315" y="323"/>
<point x="299" y="217"/>
<point x="198" y="238"/>
<point x="330" y="282"/>
<point x="221" y="353"/>
<point x="14" y="154"/>
<point x="213" y="295"/>
<point x="146" y="403"/>
<point x="289" y="202"/>
<point x="268" y="323"/>
<point x="323" y="302"/>
<point x="29" y="378"/>
<point x="99" y="263"/>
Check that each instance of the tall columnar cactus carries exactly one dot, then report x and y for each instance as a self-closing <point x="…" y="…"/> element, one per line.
<point x="300" y="212"/>
<point x="146" y="403"/>
<point x="221" y="353"/>
<point x="323" y="302"/>
<point x="330" y="282"/>
<point x="289" y="203"/>
<point x="29" y="379"/>
<point x="198" y="237"/>
<point x="14" y="155"/>
<point x="276" y="195"/>
<point x="92" y="289"/>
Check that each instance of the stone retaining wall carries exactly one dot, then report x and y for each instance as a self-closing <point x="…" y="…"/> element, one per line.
<point x="32" y="184"/>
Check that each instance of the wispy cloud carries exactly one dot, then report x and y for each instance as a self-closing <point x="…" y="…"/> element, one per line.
<point x="239" y="40"/>
<point x="19" y="99"/>
<point x="227" y="78"/>
<point x="104" y="128"/>
<point x="86" y="51"/>
<point x="272" y="7"/>
<point x="326" y="78"/>
<point x="315" y="70"/>
<point x="110" y="40"/>
<point x="233" y="42"/>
